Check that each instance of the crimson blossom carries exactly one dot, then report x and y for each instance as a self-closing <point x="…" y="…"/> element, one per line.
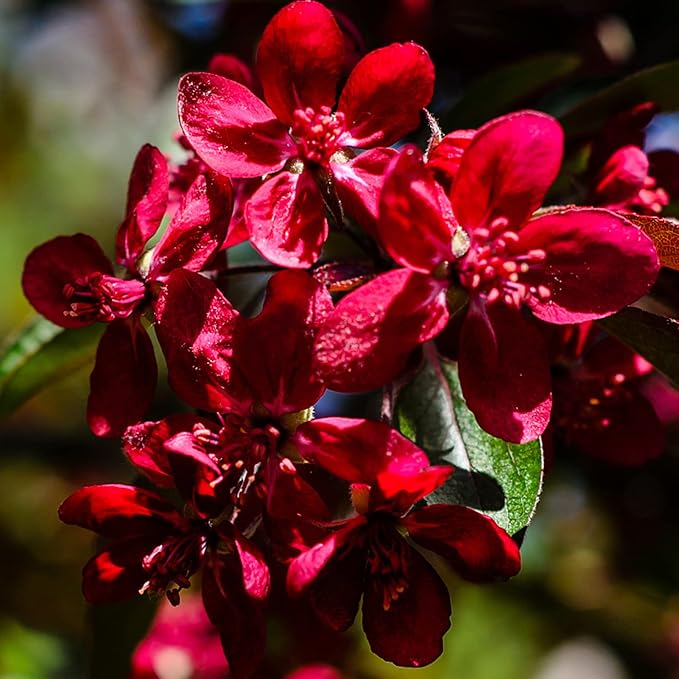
<point x="298" y="142"/>
<point x="71" y="282"/>
<point x="406" y="607"/>
<point x="483" y="247"/>
<point x="252" y="378"/>
<point x="155" y="549"/>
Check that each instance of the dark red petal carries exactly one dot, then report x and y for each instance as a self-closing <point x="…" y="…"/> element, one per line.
<point x="385" y="93"/>
<point x="445" y="158"/>
<point x="116" y="573"/>
<point x="385" y="320"/>
<point x="197" y="229"/>
<point x="143" y="444"/>
<point x="336" y="593"/>
<point x="233" y="68"/>
<point x="286" y="220"/>
<point x="53" y="265"/>
<point x="255" y="572"/>
<point x="410" y="633"/>
<point x="116" y="510"/>
<point x="147" y="195"/>
<point x="504" y="372"/>
<point x="507" y="169"/>
<point x="124" y="378"/>
<point x="307" y="567"/>
<point x="359" y="184"/>
<point x="597" y="263"/>
<point x="416" y="223"/>
<point x="475" y="545"/>
<point x="239" y="618"/>
<point x="234" y="132"/>
<point x="195" y="328"/>
<point x="275" y="349"/>
<point x="358" y="450"/>
<point x="300" y="58"/>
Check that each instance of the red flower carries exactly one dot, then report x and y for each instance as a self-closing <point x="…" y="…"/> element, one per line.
<point x="255" y="374"/>
<point x="154" y="549"/>
<point x="406" y="608"/>
<point x="605" y="400"/>
<point x="486" y="241"/>
<point x="71" y="282"/>
<point x="299" y="139"/>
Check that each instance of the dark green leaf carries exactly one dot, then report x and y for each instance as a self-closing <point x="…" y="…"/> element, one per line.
<point x="655" y="337"/>
<point x="657" y="84"/>
<point x="41" y="354"/>
<point x="508" y="88"/>
<point x="500" y="479"/>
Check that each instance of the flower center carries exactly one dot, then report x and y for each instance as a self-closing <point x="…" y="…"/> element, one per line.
<point x="97" y="297"/>
<point x="495" y="271"/>
<point x="388" y="560"/>
<point x="170" y="565"/>
<point x="318" y="134"/>
<point x="590" y="404"/>
<point x="239" y="447"/>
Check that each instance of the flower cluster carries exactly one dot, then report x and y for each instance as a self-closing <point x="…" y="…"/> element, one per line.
<point x="453" y="245"/>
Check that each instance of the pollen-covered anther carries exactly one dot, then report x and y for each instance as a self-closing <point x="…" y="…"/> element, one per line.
<point x="317" y="133"/>
<point x="495" y="269"/>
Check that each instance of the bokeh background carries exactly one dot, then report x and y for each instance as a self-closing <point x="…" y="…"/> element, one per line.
<point x="82" y="86"/>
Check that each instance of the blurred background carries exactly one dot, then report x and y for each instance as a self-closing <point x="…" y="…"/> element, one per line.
<point x="82" y="86"/>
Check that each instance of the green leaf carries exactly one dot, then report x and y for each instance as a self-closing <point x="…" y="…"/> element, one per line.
<point x="508" y="88"/>
<point x="41" y="354"/>
<point x="500" y="479"/>
<point x="655" y="337"/>
<point x="657" y="84"/>
<point x="664" y="232"/>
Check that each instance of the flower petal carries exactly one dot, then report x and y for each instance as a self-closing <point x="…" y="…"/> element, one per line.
<point x="195" y="328"/>
<point x="507" y="169"/>
<point x="53" y="265"/>
<point x="234" y="132"/>
<point x="197" y="229"/>
<point x="416" y="223"/>
<point x="307" y="567"/>
<point x="410" y="632"/>
<point x="124" y="378"/>
<point x="358" y="450"/>
<point x="475" y="545"/>
<point x="147" y="196"/>
<point x="369" y="337"/>
<point x="275" y="349"/>
<point x="359" y="184"/>
<point x="286" y="220"/>
<point x="116" y="573"/>
<point x="117" y="510"/>
<point x="143" y="444"/>
<point x="300" y="58"/>
<point x="504" y="372"/>
<point x="385" y="93"/>
<point x="583" y="247"/>
<point x="239" y="618"/>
